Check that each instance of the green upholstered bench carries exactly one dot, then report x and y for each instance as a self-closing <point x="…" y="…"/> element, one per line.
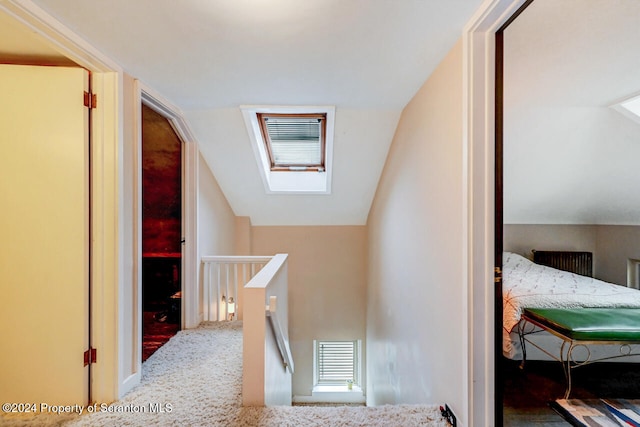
<point x="582" y="326"/>
<point x="589" y="324"/>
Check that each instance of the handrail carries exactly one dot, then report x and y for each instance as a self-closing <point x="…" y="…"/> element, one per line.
<point x="236" y="259"/>
<point x="281" y="339"/>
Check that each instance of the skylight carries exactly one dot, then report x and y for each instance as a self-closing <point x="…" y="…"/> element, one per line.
<point x="293" y="147"/>
<point x="294" y="142"/>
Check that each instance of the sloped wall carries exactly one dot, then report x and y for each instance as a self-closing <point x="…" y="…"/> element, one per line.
<point x="416" y="308"/>
<point x="216" y="221"/>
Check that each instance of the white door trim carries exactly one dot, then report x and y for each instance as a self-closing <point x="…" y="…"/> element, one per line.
<point x="190" y="258"/>
<point x="479" y="145"/>
<point x="107" y="273"/>
<point x="60" y="37"/>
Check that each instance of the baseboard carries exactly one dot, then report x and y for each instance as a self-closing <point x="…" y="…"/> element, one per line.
<point x="353" y="396"/>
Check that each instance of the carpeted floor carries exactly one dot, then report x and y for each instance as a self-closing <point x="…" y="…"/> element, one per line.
<point x="195" y="379"/>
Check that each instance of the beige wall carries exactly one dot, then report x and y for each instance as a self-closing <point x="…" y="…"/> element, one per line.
<point x="522" y="238"/>
<point x="616" y="244"/>
<point x="612" y="245"/>
<point x="216" y="220"/>
<point x="243" y="235"/>
<point x="327" y="268"/>
<point x="416" y="308"/>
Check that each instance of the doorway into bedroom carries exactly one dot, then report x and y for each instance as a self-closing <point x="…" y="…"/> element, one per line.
<point x="569" y="177"/>
<point x="161" y="231"/>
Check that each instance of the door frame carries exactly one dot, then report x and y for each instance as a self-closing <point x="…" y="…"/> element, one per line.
<point x="107" y="277"/>
<point x="479" y="42"/>
<point x="116" y="256"/>
<point x="499" y="208"/>
<point x="191" y="313"/>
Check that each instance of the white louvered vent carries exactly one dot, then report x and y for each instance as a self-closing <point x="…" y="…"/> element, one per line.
<point x="337" y="362"/>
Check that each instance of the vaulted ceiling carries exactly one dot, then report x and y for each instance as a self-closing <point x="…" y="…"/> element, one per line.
<point x="209" y="57"/>
<point x="569" y="157"/>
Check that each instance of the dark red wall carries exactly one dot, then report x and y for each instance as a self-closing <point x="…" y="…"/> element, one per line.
<point x="161" y="185"/>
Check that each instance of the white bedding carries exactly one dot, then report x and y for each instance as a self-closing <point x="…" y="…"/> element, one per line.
<point x="526" y="284"/>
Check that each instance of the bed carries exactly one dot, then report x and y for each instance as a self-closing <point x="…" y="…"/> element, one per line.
<point x="552" y="314"/>
<point x="527" y="284"/>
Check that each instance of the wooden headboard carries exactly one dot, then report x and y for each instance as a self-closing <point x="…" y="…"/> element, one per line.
<point x="574" y="262"/>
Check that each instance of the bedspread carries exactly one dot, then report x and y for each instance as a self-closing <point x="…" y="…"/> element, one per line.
<point x="526" y="284"/>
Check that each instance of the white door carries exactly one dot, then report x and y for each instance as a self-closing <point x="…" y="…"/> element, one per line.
<point x="44" y="239"/>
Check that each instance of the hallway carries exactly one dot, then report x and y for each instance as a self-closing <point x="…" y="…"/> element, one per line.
<point x="195" y="379"/>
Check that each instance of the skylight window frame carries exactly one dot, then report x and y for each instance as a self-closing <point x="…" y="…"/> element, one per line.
<point x="262" y="118"/>
<point x="290" y="182"/>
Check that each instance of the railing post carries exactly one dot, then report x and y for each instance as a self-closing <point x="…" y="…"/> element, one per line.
<point x="218" y="293"/>
<point x="266" y="381"/>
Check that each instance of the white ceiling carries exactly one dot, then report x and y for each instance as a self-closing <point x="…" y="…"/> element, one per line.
<point x="365" y="57"/>
<point x="569" y="157"/>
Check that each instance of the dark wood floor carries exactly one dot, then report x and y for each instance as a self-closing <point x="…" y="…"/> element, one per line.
<point x="157" y="329"/>
<point x="529" y="391"/>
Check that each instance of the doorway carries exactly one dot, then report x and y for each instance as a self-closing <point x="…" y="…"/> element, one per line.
<point x="572" y="136"/>
<point x="161" y="231"/>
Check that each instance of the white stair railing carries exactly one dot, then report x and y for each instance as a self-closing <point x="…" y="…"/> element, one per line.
<point x="223" y="277"/>
<point x="282" y="339"/>
<point x="267" y="365"/>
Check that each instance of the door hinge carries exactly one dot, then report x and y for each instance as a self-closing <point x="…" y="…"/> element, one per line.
<point x="90" y="356"/>
<point x="90" y="100"/>
<point x="498" y="275"/>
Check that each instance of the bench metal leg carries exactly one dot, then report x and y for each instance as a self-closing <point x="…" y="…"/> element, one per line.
<point x="566" y="365"/>
<point x="523" y="344"/>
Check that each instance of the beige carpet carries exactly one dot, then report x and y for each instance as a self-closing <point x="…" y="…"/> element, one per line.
<point x="195" y="380"/>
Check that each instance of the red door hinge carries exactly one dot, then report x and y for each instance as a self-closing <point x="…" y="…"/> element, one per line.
<point x="90" y="100"/>
<point x="90" y="356"/>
